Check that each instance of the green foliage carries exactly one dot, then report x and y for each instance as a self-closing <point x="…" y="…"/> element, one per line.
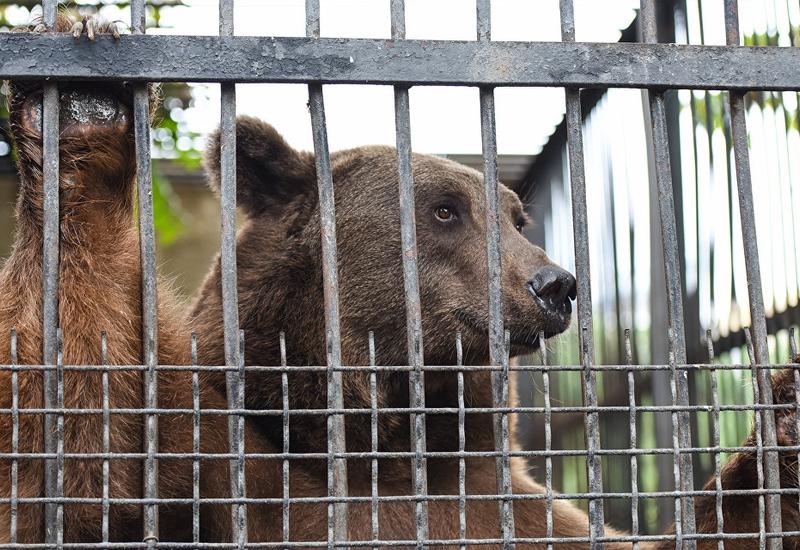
<point x="167" y="212"/>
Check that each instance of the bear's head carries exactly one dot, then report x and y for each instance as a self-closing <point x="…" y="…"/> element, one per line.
<point x="280" y="267"/>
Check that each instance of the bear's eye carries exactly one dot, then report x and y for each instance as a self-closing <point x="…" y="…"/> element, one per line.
<point x="445" y="213"/>
<point x="520" y="226"/>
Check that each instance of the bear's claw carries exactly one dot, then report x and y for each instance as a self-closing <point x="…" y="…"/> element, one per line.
<point x="92" y="25"/>
<point x="77" y="30"/>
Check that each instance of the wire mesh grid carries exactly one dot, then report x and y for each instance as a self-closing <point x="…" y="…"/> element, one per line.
<point x="525" y="514"/>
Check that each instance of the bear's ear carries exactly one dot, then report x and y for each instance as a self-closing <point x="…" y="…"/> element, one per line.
<point x="269" y="173"/>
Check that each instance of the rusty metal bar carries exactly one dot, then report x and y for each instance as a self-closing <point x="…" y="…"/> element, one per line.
<point x="548" y="442"/>
<point x="240" y="519"/>
<point x="793" y="351"/>
<point x="106" y="434"/>
<point x="633" y="433"/>
<point x="141" y="122"/>
<point x="574" y="122"/>
<point x="14" y="507"/>
<point x="498" y="346"/>
<point x="408" y="238"/>
<point x="337" y="467"/>
<point x="410" y="62"/>
<point x="462" y="465"/>
<point x="762" y="540"/>
<point x="676" y="443"/>
<point x="195" y="440"/>
<point x="755" y="296"/>
<point x="60" y="433"/>
<point x="230" y="298"/>
<point x="285" y="508"/>
<point x="54" y="528"/>
<point x="672" y="273"/>
<point x="373" y="430"/>
<point x="716" y="436"/>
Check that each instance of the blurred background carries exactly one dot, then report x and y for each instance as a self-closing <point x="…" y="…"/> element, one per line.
<point x="627" y="269"/>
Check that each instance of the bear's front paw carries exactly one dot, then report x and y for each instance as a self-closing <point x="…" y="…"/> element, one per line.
<point x="93" y="25"/>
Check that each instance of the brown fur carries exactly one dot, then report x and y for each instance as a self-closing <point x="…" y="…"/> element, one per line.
<point x="280" y="289"/>
<point x="740" y="513"/>
<point x="280" y="282"/>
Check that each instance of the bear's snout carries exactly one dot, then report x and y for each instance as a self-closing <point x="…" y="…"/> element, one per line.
<point x="553" y="289"/>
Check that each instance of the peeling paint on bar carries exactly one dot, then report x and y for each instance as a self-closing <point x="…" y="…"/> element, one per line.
<point x="760" y="354"/>
<point x="336" y="467"/>
<point x="411" y="62"/>
<point x="408" y="237"/>
<point x="144" y="182"/>
<point x="684" y="475"/>
<point x="574" y="122"/>
<point x="53" y="518"/>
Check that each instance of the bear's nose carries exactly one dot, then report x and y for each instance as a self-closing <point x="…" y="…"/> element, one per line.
<point x="554" y="287"/>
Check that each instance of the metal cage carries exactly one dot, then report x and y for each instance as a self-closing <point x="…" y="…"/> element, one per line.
<point x="227" y="59"/>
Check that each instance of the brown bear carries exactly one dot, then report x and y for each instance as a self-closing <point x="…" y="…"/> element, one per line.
<point x="100" y="290"/>
<point x="280" y="289"/>
<point x="740" y="513"/>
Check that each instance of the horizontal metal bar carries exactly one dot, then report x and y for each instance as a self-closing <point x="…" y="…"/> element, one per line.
<point x="361" y="455"/>
<point x="400" y="543"/>
<point x="406" y="368"/>
<point x="403" y="498"/>
<point x="399" y="410"/>
<point x="336" y="60"/>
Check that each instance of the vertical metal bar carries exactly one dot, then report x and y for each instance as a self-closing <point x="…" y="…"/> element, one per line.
<point x="286" y="439"/>
<point x="497" y="348"/>
<point x="584" y="292"/>
<point x="373" y="428"/>
<point x="195" y="442"/>
<point x="50" y="258"/>
<point x="793" y="351"/>
<point x="398" y="19"/>
<point x="106" y="433"/>
<point x="757" y="319"/>
<point x="312" y="18"/>
<point x="633" y="440"/>
<point x="240" y="527"/>
<point x="60" y="434"/>
<point x="462" y="464"/>
<point x="484" y="13"/>
<point x="762" y="540"/>
<point x="548" y="442"/>
<point x="230" y="303"/>
<point x="715" y="430"/>
<point x="337" y="467"/>
<point x="672" y="271"/>
<point x="408" y="237"/>
<point x="14" y="437"/>
<point x="676" y="444"/>
<point x="141" y="118"/>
